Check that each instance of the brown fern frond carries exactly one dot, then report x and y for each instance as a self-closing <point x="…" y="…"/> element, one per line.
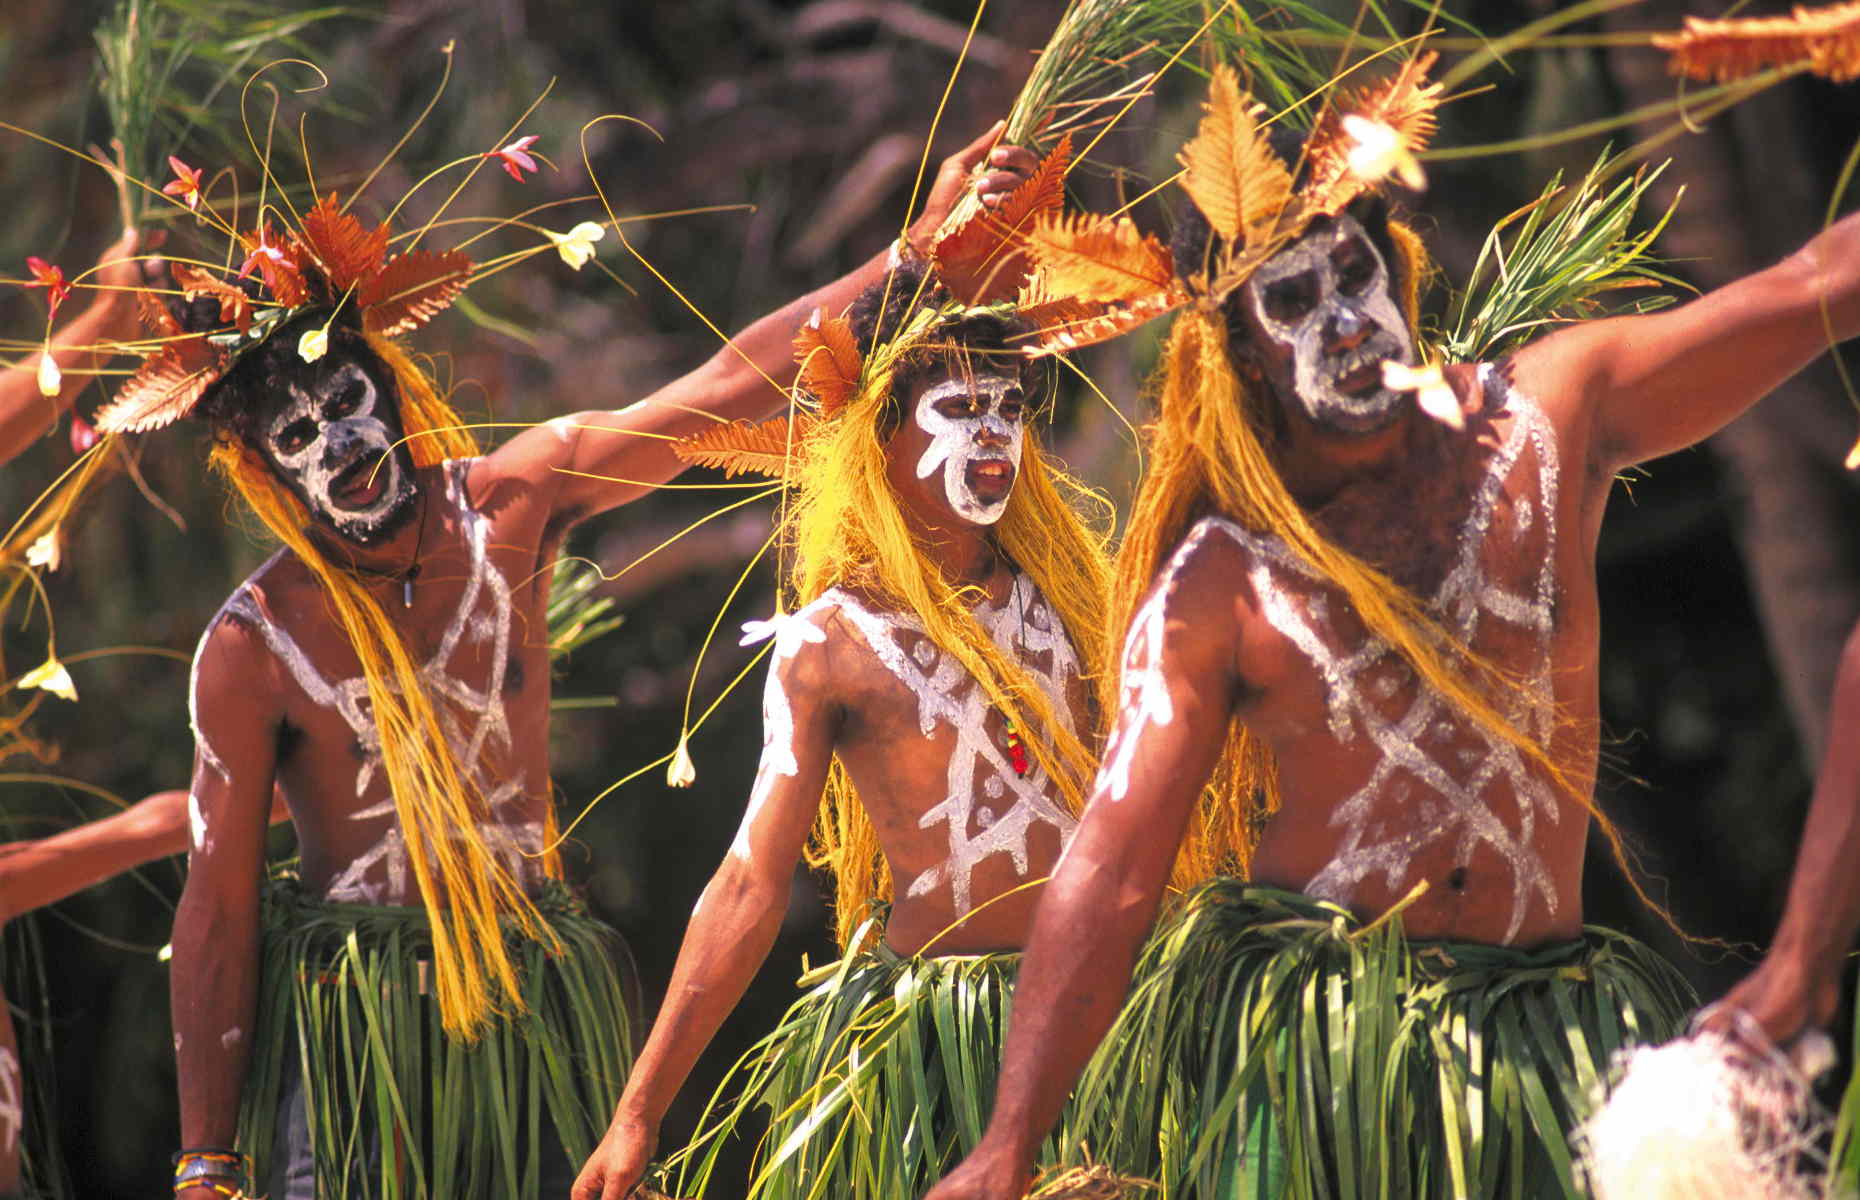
<point x="742" y="446"/>
<point x="830" y="361"/>
<point x="411" y="288"/>
<point x="165" y="389"/>
<point x="1400" y="108"/>
<point x="984" y="260"/>
<point x="1828" y="39"/>
<point x="346" y="250"/>
<point x="1059" y="329"/>
<point x="1229" y="168"/>
<point x="1097" y="259"/>
<point x="235" y="305"/>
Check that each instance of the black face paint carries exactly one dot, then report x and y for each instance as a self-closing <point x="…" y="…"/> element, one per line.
<point x="1325" y="319"/>
<point x="329" y="429"/>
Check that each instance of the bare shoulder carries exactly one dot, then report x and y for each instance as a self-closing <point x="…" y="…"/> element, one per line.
<point x="804" y="642"/>
<point x="1206" y="581"/>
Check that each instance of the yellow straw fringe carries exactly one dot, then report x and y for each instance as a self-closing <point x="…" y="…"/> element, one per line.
<point x="466" y="890"/>
<point x="844" y="527"/>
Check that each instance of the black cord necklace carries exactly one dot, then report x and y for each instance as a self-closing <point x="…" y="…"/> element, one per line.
<point x="413" y="568"/>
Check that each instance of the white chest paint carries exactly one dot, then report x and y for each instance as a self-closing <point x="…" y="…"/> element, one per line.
<point x="473" y="718"/>
<point x="1437" y="779"/>
<point x="1008" y="805"/>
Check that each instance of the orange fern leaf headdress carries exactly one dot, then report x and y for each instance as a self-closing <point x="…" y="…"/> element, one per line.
<point x="1096" y="277"/>
<point x="332" y="261"/>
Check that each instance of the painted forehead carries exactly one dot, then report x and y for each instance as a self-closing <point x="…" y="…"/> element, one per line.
<point x="982" y="384"/>
<point x="1313" y="250"/>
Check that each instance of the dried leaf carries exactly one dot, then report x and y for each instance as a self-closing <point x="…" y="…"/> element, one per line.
<point x="1402" y="106"/>
<point x="277" y="266"/>
<point x="830" y="361"/>
<point x="1103" y="322"/>
<point x="984" y="260"/>
<point x="165" y="389"/>
<point x="411" y="289"/>
<point x="1095" y="259"/>
<point x="235" y="305"/>
<point x="155" y="315"/>
<point x="346" y="250"/>
<point x="1229" y="168"/>
<point x="743" y="446"/>
<point x="1096" y="1182"/>
<point x="1827" y="38"/>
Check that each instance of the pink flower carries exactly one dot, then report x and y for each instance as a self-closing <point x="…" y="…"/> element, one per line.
<point x="515" y="156"/>
<point x="83" y="434"/>
<point x="186" y="183"/>
<point x="51" y="278"/>
<point x="261" y="251"/>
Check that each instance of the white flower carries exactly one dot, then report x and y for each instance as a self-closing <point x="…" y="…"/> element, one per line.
<point x="1430" y="391"/>
<point x="50" y="379"/>
<point x="52" y="676"/>
<point x="683" y="772"/>
<point x="45" y="552"/>
<point x="577" y="245"/>
<point x="1379" y="152"/>
<point x="1853" y="457"/>
<point x="314" y="344"/>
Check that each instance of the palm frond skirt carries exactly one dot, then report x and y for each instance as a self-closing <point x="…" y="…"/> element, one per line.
<point x="1273" y="1046"/>
<point x="349" y="1051"/>
<point x="877" y="1081"/>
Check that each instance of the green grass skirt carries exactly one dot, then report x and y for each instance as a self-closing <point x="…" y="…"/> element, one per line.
<point x="341" y="990"/>
<point x="877" y="1081"/>
<point x="1272" y="1046"/>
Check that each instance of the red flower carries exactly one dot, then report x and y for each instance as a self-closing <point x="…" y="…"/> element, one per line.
<point x="83" y="434"/>
<point x="259" y="253"/>
<point x="186" y="183"/>
<point x="516" y="160"/>
<point x="51" y="278"/>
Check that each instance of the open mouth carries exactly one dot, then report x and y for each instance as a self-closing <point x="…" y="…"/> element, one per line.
<point x="360" y="484"/>
<point x="991" y="477"/>
<point x="1360" y="381"/>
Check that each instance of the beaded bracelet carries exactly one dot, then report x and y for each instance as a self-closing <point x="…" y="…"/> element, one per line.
<point x="219" y="1171"/>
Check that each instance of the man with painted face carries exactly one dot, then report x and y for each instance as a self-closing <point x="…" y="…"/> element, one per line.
<point x="424" y="1010"/>
<point x="1368" y="619"/>
<point x="931" y="681"/>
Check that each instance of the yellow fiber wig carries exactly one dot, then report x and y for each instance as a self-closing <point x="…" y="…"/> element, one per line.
<point x="1208" y="456"/>
<point x="467" y="892"/>
<point x="843" y="526"/>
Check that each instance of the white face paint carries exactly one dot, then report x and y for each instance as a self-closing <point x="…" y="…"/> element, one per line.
<point x="332" y="439"/>
<point x="1325" y="307"/>
<point x="975" y="427"/>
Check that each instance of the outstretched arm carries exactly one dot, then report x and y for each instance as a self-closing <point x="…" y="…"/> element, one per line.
<point x="25" y="414"/>
<point x="1177" y="686"/>
<point x="1797" y="986"/>
<point x="214" y="982"/>
<point x="737" y="917"/>
<point x="1646" y="386"/>
<point x="589" y="462"/>
<point x="46" y="870"/>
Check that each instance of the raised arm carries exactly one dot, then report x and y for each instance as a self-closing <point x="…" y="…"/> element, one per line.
<point x="1646" y="386"/>
<point x="739" y="913"/>
<point x="214" y="982"/>
<point x="1797" y="986"/>
<point x="1176" y="693"/>
<point x="578" y="458"/>
<point x="25" y="413"/>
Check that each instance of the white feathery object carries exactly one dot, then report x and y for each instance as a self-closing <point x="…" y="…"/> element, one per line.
<point x="1711" y="1117"/>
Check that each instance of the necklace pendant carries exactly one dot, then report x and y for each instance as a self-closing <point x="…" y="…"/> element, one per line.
<point x="406" y="593"/>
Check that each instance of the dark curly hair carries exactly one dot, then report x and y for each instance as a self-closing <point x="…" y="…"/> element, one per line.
<point x="883" y="309"/>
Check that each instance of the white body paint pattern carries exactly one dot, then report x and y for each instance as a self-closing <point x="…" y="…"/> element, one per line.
<point x="1436" y="776"/>
<point x="196" y="824"/>
<point x="1143" y="696"/>
<point x="953" y="445"/>
<point x="474" y="719"/>
<point x="790" y="632"/>
<point x="12" y="1115"/>
<point x="1008" y="805"/>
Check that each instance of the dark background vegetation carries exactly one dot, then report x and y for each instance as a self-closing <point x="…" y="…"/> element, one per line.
<point x="812" y="114"/>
